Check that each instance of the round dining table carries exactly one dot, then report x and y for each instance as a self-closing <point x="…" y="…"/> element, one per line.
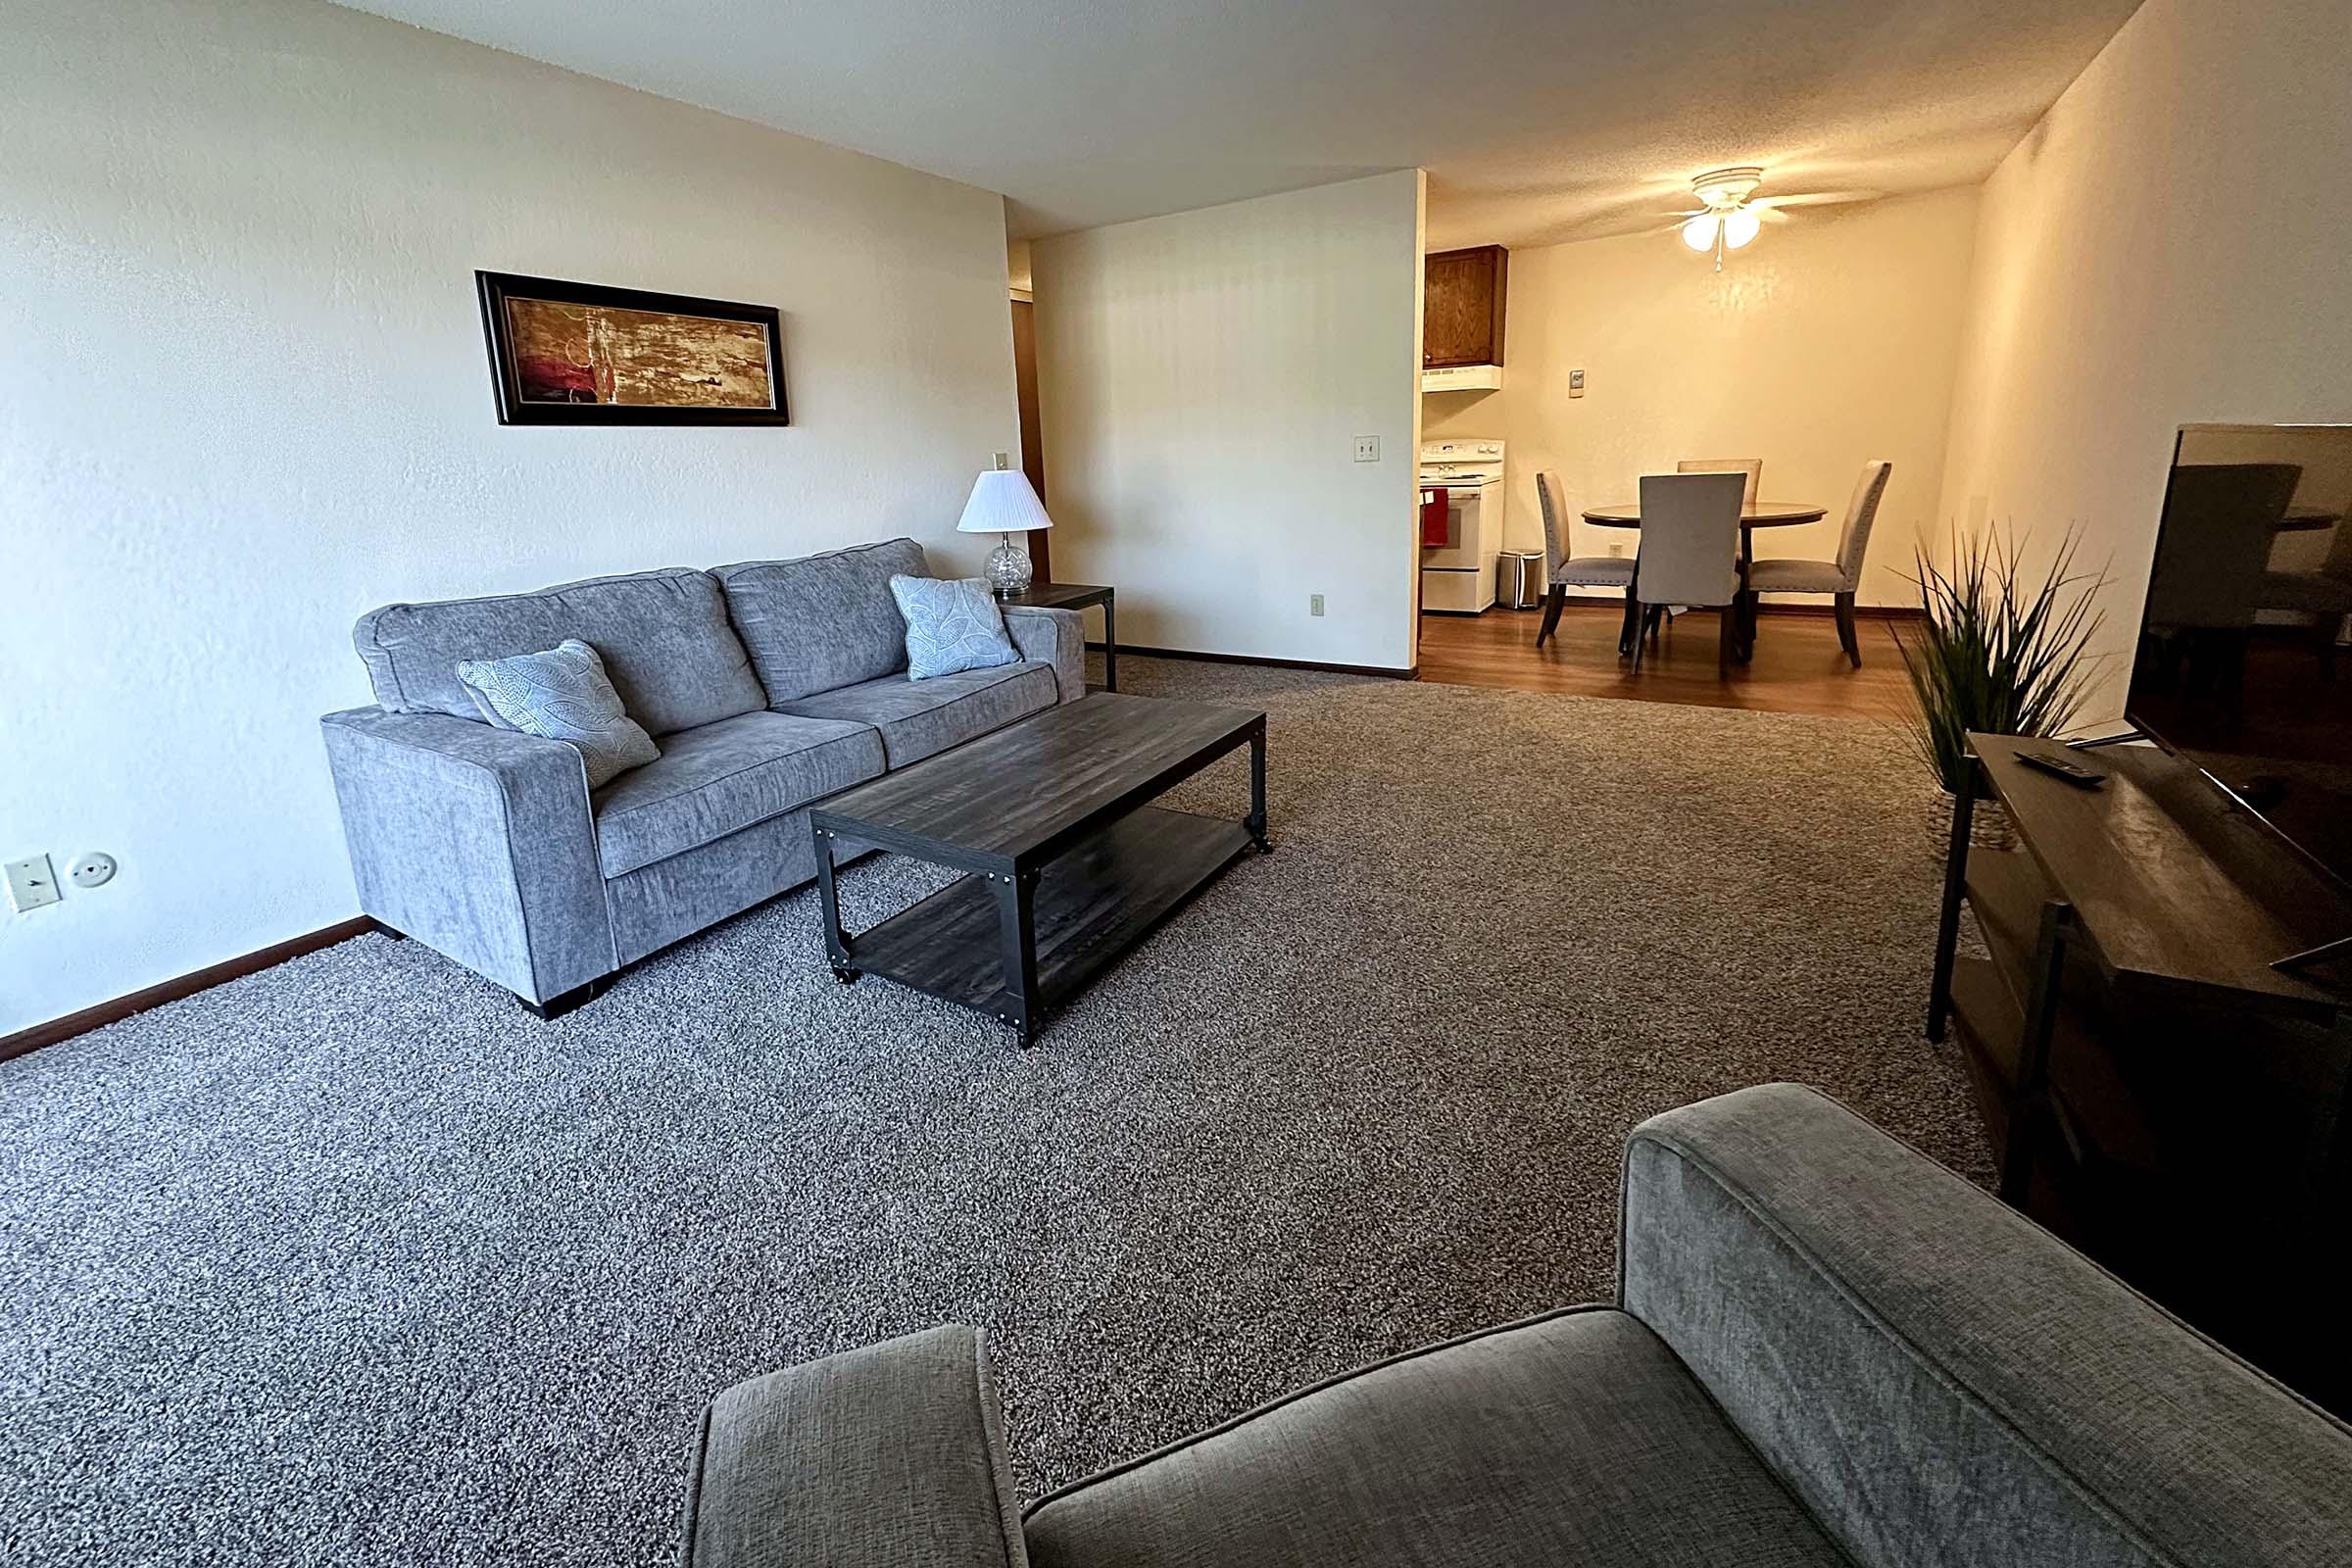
<point x="1752" y="516"/>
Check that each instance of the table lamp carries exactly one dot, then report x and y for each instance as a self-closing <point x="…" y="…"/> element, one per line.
<point x="1004" y="503"/>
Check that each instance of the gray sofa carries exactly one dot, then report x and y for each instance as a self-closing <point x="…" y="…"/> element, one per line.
<point x="766" y="685"/>
<point x="1825" y="1350"/>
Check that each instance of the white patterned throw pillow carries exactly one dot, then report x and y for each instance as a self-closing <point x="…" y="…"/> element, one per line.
<point x="953" y="623"/>
<point x="561" y="695"/>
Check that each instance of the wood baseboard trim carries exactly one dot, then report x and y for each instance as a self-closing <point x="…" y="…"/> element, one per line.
<point x="1764" y="607"/>
<point x="1861" y="611"/>
<point x="1384" y="671"/>
<point x="187" y="985"/>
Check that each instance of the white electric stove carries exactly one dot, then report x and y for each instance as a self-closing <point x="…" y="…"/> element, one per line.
<point x="1458" y="576"/>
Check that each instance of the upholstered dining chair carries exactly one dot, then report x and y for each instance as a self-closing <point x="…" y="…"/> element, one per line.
<point x="1563" y="571"/>
<point x="1841" y="579"/>
<point x="1690" y="549"/>
<point x="1754" y="467"/>
<point x="2326" y="591"/>
<point x="2212" y="558"/>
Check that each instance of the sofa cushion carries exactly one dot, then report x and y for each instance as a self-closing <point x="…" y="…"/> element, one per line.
<point x="953" y="625"/>
<point x="919" y="717"/>
<point x="822" y="621"/>
<point x="1569" y="1440"/>
<point x="561" y="695"/>
<point x="711" y="781"/>
<point x="664" y="637"/>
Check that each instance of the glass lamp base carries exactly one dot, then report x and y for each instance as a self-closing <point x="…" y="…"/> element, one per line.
<point x="1008" y="570"/>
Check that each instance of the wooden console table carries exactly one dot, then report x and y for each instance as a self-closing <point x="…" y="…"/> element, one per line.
<point x="2157" y="1091"/>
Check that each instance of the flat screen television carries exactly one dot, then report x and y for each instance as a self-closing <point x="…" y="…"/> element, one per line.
<point x="2243" y="667"/>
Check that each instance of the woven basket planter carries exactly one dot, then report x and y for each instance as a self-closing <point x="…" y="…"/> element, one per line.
<point x="1988" y="828"/>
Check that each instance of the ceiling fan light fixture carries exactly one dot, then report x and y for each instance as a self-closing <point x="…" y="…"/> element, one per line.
<point x="1725" y="188"/>
<point x="1699" y="233"/>
<point x="1739" y="226"/>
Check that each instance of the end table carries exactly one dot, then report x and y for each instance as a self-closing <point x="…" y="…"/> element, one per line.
<point x="1078" y="596"/>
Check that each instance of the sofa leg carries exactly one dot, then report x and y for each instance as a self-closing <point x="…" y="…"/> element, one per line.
<point x="557" y="1006"/>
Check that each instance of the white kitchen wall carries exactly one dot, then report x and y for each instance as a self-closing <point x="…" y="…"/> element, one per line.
<point x="244" y="396"/>
<point x="1203" y="378"/>
<point x="2171" y="245"/>
<point x="1830" y="340"/>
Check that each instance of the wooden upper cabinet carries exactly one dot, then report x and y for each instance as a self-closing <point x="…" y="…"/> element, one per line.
<point x="1461" y="306"/>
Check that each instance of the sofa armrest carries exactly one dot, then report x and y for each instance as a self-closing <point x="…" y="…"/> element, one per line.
<point x="892" y="1456"/>
<point x="477" y="842"/>
<point x="1941" y="1381"/>
<point x="1056" y="637"/>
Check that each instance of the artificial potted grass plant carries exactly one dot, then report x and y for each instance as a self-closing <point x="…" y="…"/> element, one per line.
<point x="2000" y="652"/>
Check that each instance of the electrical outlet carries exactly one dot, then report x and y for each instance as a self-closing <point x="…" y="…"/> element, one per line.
<point x="32" y="884"/>
<point x="1576" y="383"/>
<point x="1617" y="548"/>
<point x="1314" y="603"/>
<point x="1367" y="449"/>
<point x="1003" y="461"/>
<point x="93" y="870"/>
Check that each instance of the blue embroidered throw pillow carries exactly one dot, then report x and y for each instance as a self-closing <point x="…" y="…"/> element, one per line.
<point x="561" y="695"/>
<point x="953" y="623"/>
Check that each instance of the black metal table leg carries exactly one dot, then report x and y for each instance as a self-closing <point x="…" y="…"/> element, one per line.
<point x="2330" y="1109"/>
<point x="1111" y="642"/>
<point x="1016" y="918"/>
<point x="1256" y="821"/>
<point x="2031" y="1102"/>
<point x="1955" y="890"/>
<point x="837" y="941"/>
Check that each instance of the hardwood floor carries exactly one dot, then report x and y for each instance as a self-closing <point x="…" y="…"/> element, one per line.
<point x="1799" y="667"/>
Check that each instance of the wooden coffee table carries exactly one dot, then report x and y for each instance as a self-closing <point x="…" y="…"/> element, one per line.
<point x="1068" y="867"/>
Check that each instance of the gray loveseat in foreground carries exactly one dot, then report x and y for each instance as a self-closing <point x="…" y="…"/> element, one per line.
<point x="766" y="685"/>
<point x="1825" y="1350"/>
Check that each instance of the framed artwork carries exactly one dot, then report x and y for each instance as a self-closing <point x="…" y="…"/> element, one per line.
<point x="584" y="354"/>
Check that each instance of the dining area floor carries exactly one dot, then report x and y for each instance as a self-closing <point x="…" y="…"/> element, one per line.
<point x="1796" y="667"/>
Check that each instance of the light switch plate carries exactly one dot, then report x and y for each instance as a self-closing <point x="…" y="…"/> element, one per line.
<point x="32" y="884"/>
<point x="1367" y="449"/>
<point x="1576" y="383"/>
<point x="1314" y="603"/>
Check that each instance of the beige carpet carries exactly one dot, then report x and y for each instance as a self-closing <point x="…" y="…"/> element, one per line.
<point x="356" y="1262"/>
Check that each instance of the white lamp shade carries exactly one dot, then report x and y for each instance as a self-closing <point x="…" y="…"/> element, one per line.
<point x="1003" y="502"/>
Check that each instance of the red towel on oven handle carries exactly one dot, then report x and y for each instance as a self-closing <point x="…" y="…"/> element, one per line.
<point x="1436" y="531"/>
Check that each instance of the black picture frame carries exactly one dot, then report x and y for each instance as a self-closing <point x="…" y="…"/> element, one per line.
<point x="496" y="288"/>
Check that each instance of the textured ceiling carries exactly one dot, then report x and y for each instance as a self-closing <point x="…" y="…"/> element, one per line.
<point x="1538" y="121"/>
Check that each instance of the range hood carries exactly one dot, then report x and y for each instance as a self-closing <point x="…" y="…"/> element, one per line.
<point x="1463" y="378"/>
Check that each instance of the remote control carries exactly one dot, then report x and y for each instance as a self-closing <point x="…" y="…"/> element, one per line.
<point x="2075" y="773"/>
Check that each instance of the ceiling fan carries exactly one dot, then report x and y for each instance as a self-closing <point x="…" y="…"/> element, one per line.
<point x="1730" y="214"/>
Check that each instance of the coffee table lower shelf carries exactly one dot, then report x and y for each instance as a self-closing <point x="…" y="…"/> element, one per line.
<point x="1092" y="904"/>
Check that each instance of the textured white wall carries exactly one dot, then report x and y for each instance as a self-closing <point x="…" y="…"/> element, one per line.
<point x="1830" y="340"/>
<point x="1201" y="379"/>
<point x="243" y="397"/>
<point x="2170" y="246"/>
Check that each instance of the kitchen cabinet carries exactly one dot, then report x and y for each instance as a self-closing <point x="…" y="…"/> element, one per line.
<point x="1461" y="306"/>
